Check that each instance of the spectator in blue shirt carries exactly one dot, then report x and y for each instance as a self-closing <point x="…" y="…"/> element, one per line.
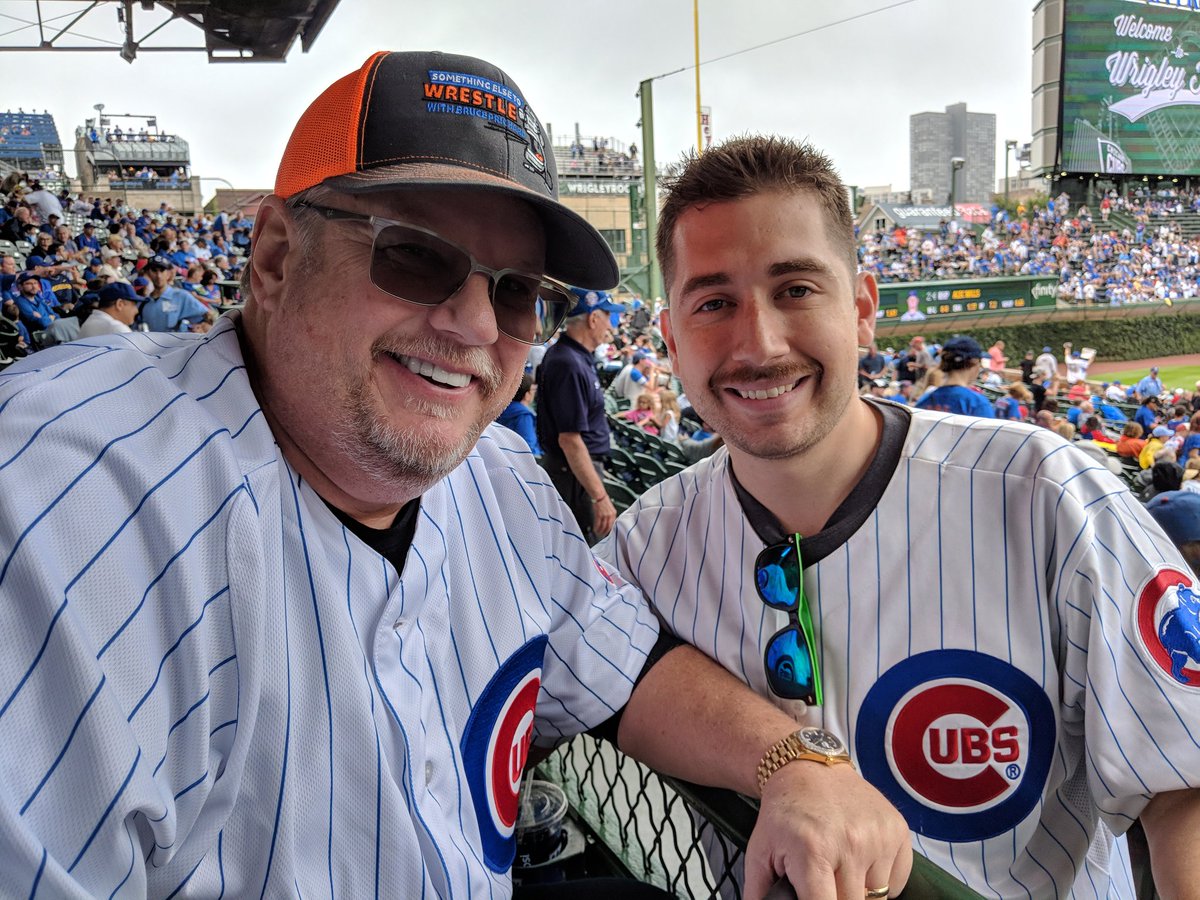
<point x="519" y="417"/>
<point x="36" y="312"/>
<point x="1147" y="414"/>
<point x="961" y="361"/>
<point x="1150" y="386"/>
<point x="87" y="238"/>
<point x="169" y="308"/>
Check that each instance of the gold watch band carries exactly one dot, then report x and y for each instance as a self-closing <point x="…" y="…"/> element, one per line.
<point x="789" y="749"/>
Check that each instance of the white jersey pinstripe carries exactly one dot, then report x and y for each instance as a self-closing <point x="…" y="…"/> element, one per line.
<point x="209" y="687"/>
<point x="991" y="539"/>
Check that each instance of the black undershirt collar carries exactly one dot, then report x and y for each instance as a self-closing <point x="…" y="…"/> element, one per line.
<point x="857" y="506"/>
<point x="391" y="543"/>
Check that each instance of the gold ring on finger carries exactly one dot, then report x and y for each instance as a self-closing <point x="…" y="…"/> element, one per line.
<point x="878" y="893"/>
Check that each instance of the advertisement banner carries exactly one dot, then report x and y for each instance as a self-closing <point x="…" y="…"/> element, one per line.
<point x="1131" y="87"/>
<point x="706" y="125"/>
<point x="916" y="301"/>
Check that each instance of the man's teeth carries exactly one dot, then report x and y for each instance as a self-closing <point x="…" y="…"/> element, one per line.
<point x="434" y="373"/>
<point x="767" y="394"/>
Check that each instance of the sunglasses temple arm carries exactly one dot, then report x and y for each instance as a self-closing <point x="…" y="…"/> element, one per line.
<point x="806" y="625"/>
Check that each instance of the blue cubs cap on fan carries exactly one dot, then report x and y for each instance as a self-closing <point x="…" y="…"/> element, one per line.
<point x="961" y="348"/>
<point x="159" y="262"/>
<point x="424" y="119"/>
<point x="111" y="293"/>
<point x="590" y="301"/>
<point x="1178" y="513"/>
<point x="27" y="276"/>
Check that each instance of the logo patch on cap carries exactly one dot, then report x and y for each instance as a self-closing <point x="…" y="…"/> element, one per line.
<point x="1167" y="620"/>
<point x="960" y="742"/>
<point x="502" y="108"/>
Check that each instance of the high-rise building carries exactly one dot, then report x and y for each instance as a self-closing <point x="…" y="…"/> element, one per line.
<point x="936" y="138"/>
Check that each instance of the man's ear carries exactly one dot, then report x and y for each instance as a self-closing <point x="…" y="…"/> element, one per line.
<point x="273" y="240"/>
<point x="664" y="325"/>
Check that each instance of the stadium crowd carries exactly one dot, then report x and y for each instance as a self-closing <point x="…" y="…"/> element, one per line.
<point x="72" y="267"/>
<point x="154" y="270"/>
<point x="1096" y="261"/>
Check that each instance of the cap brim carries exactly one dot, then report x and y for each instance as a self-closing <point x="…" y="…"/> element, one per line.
<point x="575" y="251"/>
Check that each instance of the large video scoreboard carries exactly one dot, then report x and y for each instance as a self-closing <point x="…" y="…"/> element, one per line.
<point x="1131" y="87"/>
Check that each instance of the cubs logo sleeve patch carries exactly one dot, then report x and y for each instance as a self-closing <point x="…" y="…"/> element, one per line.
<point x="1167" y="625"/>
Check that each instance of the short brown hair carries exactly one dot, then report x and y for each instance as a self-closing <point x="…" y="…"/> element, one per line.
<point x="744" y="166"/>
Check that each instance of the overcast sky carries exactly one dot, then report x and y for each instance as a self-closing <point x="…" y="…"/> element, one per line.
<point x="850" y="88"/>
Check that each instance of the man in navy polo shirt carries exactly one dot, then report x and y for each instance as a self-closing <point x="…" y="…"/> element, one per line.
<point x="571" y="424"/>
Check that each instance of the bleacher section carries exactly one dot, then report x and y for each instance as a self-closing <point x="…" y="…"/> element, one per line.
<point x="30" y="140"/>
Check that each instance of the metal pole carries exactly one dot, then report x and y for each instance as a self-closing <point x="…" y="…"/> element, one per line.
<point x="649" y="176"/>
<point x="696" y="34"/>
<point x="1006" y="149"/>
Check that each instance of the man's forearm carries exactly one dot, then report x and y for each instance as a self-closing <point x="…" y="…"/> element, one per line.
<point x="573" y="448"/>
<point x="1171" y="821"/>
<point x="713" y="732"/>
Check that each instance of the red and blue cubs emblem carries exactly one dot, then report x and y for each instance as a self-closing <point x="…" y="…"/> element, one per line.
<point x="495" y="747"/>
<point x="960" y="742"/>
<point x="1167" y="620"/>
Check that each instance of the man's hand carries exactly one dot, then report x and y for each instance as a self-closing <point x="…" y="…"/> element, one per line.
<point x="605" y="516"/>
<point x="829" y="832"/>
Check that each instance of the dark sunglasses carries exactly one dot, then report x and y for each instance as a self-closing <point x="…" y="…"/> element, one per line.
<point x="420" y="266"/>
<point x="790" y="658"/>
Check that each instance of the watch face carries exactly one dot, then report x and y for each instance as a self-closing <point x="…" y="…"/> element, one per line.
<point x="818" y="740"/>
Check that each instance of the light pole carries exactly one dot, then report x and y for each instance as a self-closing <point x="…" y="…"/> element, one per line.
<point x="956" y="163"/>
<point x="1009" y="146"/>
<point x="203" y="178"/>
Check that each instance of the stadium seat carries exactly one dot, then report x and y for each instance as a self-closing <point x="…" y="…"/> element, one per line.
<point x="653" y="471"/>
<point x="620" y="493"/>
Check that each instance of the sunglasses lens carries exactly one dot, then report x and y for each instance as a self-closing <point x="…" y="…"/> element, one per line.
<point x="789" y="666"/>
<point x="422" y="268"/>
<point x="777" y="577"/>
<point x="528" y="308"/>
<point x="417" y="266"/>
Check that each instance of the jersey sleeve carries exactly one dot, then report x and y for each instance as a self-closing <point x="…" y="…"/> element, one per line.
<point x="601" y="629"/>
<point x="119" y="663"/>
<point x="1129" y="610"/>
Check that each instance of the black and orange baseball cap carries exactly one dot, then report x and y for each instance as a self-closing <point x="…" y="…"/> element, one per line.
<point x="429" y="119"/>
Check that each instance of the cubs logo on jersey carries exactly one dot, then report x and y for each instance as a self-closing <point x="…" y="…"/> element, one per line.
<point x="495" y="747"/>
<point x="1167" y="620"/>
<point x="958" y="741"/>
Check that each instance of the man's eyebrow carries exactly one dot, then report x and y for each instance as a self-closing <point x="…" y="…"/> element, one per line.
<point x="713" y="279"/>
<point x="802" y="265"/>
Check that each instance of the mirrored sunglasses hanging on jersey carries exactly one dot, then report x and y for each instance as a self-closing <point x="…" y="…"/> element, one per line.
<point x="790" y="659"/>
<point x="420" y="266"/>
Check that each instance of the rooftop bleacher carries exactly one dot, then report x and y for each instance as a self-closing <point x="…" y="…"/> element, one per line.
<point x="25" y="138"/>
<point x="596" y="157"/>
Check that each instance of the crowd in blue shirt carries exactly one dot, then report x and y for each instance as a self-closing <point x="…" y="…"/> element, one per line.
<point x="172" y="263"/>
<point x="1094" y="259"/>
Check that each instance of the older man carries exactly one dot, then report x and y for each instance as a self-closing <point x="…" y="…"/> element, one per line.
<point x="971" y="610"/>
<point x="291" y="613"/>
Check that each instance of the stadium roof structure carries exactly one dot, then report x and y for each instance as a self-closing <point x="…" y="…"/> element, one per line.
<point x="232" y="30"/>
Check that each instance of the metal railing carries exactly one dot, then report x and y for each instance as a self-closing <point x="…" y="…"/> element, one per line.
<point x="660" y="828"/>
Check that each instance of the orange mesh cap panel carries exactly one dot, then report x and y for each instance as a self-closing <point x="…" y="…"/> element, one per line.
<point x="324" y="142"/>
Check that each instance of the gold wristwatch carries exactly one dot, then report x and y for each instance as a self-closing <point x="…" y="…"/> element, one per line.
<point x="814" y="744"/>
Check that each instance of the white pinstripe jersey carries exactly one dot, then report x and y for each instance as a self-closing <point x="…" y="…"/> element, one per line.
<point x="988" y="641"/>
<point x="209" y="687"/>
